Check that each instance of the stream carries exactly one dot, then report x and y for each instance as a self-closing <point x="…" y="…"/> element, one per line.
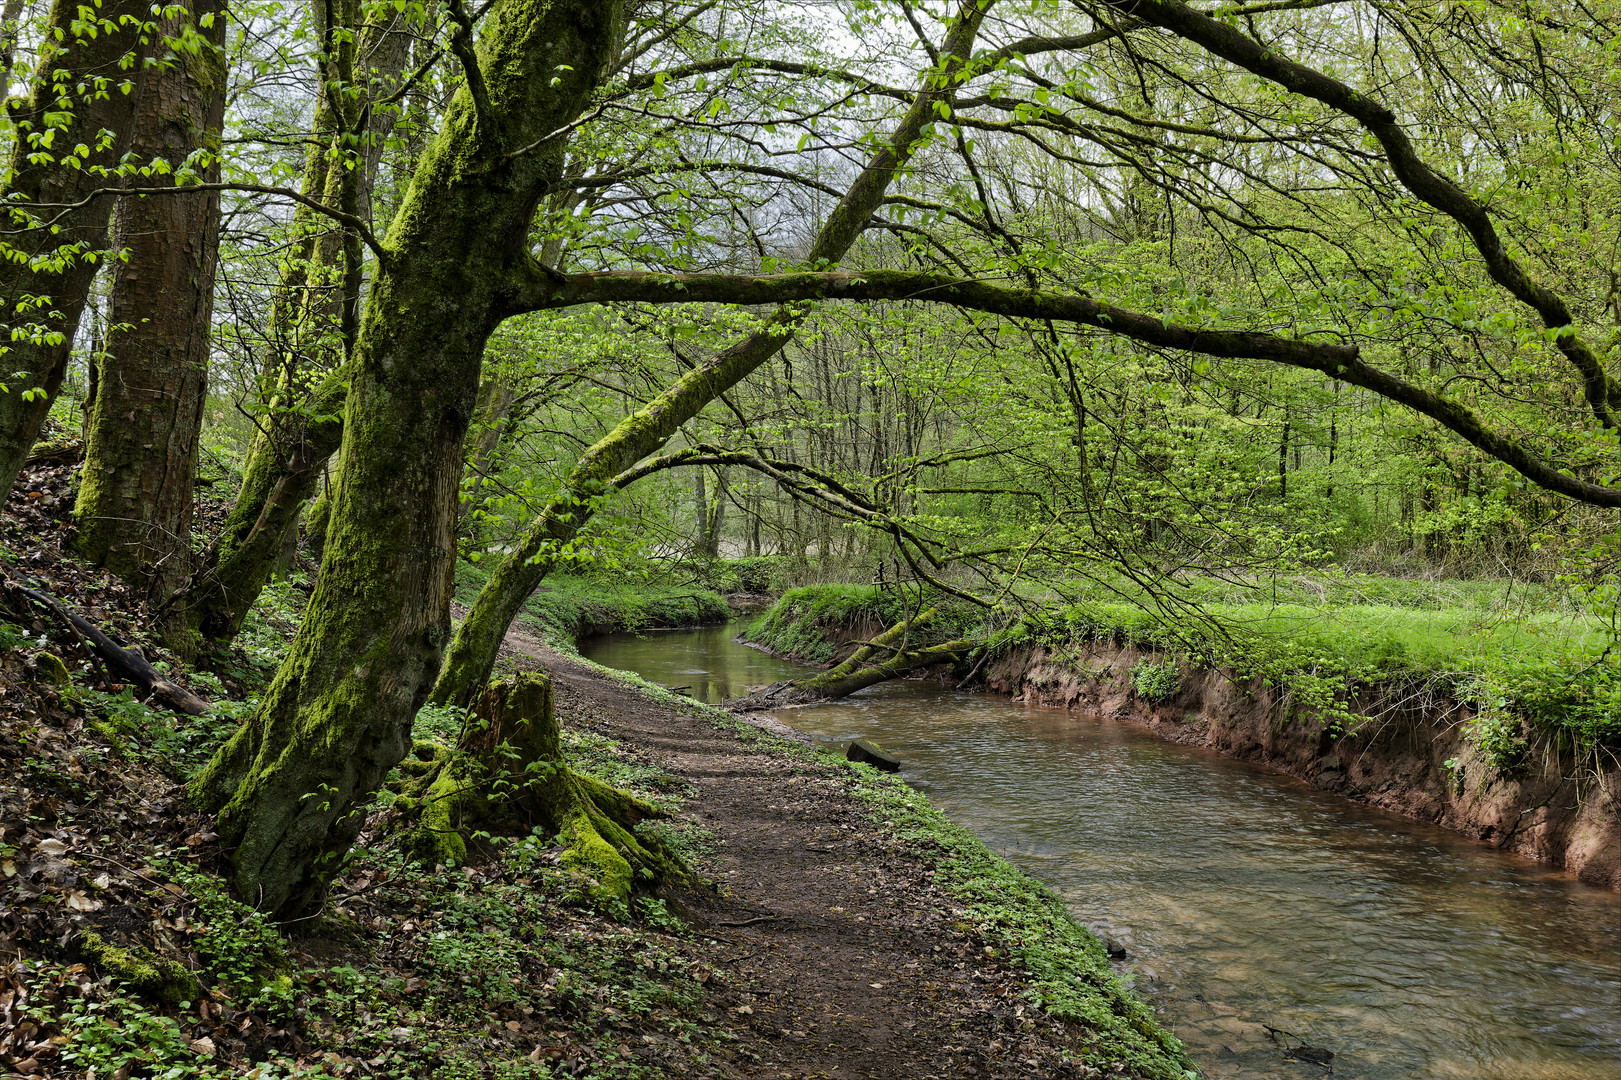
<point x="1243" y="897"/>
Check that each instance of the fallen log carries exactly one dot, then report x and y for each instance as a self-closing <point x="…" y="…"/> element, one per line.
<point x="841" y="682"/>
<point x="127" y="664"/>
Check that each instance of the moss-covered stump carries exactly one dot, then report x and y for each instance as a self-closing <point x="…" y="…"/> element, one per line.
<point x="507" y="767"/>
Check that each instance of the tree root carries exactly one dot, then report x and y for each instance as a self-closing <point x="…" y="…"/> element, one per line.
<point x="508" y="768"/>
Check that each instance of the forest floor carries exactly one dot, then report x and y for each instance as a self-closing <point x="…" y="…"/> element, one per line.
<point x="837" y="926"/>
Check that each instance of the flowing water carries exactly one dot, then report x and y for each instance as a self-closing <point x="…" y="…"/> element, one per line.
<point x="1244" y="898"/>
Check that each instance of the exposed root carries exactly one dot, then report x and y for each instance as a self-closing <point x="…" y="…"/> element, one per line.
<point x="508" y="766"/>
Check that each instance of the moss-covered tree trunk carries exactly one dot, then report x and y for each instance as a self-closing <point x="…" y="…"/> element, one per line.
<point x="472" y="654"/>
<point x="88" y="82"/>
<point x="831" y="685"/>
<point x="292" y="785"/>
<point x="311" y="329"/>
<point x="135" y="491"/>
<point x="508" y="766"/>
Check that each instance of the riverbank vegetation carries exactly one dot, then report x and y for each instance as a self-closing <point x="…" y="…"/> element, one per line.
<point x="1532" y="667"/>
<point x="1279" y="336"/>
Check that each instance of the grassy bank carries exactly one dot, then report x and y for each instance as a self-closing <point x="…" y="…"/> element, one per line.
<point x="568" y="607"/>
<point x="1532" y="665"/>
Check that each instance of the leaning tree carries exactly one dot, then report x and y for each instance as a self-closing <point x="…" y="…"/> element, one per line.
<point x="291" y="786"/>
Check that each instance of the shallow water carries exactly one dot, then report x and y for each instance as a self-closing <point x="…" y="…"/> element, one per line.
<point x="1245" y="899"/>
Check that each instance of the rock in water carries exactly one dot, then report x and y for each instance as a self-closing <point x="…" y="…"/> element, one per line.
<point x="870" y="753"/>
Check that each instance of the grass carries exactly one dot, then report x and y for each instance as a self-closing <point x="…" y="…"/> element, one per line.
<point x="567" y="607"/>
<point x="797" y="625"/>
<point x="1070" y="976"/>
<point x="1525" y="657"/>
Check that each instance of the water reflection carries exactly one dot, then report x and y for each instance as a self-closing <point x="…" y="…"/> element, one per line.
<point x="1245" y="900"/>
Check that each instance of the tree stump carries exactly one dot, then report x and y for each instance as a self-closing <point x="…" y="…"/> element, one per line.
<point x="508" y="766"/>
<point x="869" y="753"/>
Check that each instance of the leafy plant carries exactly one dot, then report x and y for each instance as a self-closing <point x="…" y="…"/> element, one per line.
<point x="1156" y="681"/>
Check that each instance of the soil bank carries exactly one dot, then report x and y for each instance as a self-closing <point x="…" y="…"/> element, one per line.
<point x="1410" y="756"/>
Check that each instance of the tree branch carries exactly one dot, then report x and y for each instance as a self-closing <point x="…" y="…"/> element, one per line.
<point x="541" y="291"/>
<point x="348" y="220"/>
<point x="1603" y="393"/>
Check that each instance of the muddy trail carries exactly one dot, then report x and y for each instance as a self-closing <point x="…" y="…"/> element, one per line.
<point x="842" y="957"/>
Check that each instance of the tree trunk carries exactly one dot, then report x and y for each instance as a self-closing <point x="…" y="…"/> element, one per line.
<point x="9" y="28"/>
<point x="57" y="262"/>
<point x="286" y="456"/>
<point x="291" y="786"/>
<point x="135" y="491"/>
<point x="494" y="403"/>
<point x="472" y="653"/>
<point x="235" y="568"/>
<point x="509" y="765"/>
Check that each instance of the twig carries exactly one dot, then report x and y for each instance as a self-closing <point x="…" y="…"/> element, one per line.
<point x="750" y="922"/>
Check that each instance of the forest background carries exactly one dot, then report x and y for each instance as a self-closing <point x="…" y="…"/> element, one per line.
<point x="1279" y="334"/>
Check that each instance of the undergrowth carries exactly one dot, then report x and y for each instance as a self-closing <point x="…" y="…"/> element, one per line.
<point x="798" y="625"/>
<point x="567" y="607"/>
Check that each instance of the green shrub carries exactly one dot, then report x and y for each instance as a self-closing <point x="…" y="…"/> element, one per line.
<point x="1156" y="681"/>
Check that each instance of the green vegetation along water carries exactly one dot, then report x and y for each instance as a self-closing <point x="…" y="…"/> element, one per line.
<point x="1244" y="899"/>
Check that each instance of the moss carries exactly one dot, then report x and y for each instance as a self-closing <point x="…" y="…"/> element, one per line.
<point x="52" y="669"/>
<point x="509" y="764"/>
<point x="1070" y="975"/>
<point x="164" y="981"/>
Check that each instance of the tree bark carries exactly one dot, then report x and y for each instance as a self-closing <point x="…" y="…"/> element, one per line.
<point x="315" y="297"/>
<point x="291" y="786"/>
<point x="102" y="53"/>
<point x="472" y="654"/>
<point x="135" y="491"/>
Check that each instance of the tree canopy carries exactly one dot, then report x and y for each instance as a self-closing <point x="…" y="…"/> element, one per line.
<point x="1004" y="295"/>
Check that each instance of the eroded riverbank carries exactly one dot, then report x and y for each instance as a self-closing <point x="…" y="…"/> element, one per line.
<point x="1411" y="755"/>
<point x="1244" y="898"/>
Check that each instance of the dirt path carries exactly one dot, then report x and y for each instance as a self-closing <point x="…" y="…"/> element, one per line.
<point x="843" y="956"/>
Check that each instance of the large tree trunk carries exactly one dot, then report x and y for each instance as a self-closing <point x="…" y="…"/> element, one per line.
<point x="56" y="259"/>
<point x="472" y="654"/>
<point x="135" y="491"/>
<point x="291" y="786"/>
<point x="303" y="426"/>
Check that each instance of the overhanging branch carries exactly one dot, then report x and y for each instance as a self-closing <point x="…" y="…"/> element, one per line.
<point x="539" y="291"/>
